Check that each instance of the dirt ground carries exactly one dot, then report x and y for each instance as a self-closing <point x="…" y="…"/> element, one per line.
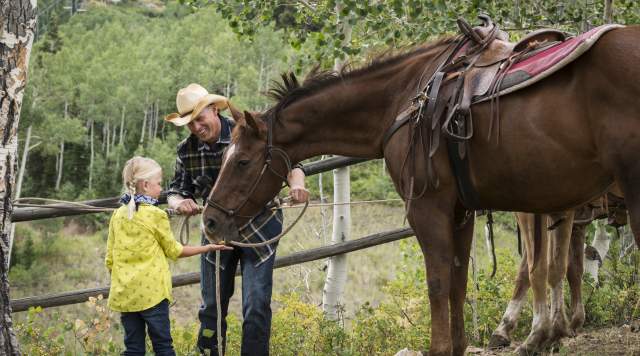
<point x="624" y="340"/>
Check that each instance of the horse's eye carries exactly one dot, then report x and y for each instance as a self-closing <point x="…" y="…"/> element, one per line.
<point x="243" y="162"/>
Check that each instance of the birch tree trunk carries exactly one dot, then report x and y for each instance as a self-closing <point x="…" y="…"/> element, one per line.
<point x="17" y="30"/>
<point x="323" y="209"/>
<point x="22" y="168"/>
<point x="60" y="160"/>
<point x="608" y="11"/>
<point x="155" y="120"/>
<point x="60" y="166"/>
<point x="113" y="136"/>
<point x="124" y="108"/>
<point x="261" y="73"/>
<point x="337" y="272"/>
<point x="107" y="134"/>
<point x="594" y="259"/>
<point x="144" y="125"/>
<point x="91" y="155"/>
<point x="151" y="120"/>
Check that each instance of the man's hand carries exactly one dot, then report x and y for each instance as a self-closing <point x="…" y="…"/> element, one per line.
<point x="188" y="207"/>
<point x="298" y="194"/>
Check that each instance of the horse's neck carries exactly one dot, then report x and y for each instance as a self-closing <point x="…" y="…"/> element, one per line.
<point x="350" y="117"/>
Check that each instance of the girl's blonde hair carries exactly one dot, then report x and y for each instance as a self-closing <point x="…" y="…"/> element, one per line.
<point x="137" y="169"/>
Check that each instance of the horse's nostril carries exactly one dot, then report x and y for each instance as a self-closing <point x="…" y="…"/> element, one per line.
<point x="211" y="225"/>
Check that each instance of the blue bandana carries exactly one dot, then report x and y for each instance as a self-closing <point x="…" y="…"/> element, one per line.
<point x="138" y="198"/>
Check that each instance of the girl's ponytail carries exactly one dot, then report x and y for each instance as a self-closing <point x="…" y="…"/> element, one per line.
<point x="131" y="205"/>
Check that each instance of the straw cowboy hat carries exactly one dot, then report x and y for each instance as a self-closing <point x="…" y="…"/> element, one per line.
<point x="190" y="102"/>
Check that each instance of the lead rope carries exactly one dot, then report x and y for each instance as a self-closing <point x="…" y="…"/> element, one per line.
<point x="218" y="306"/>
<point x="275" y="239"/>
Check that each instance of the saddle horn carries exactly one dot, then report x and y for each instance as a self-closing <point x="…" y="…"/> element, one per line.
<point x="486" y="20"/>
<point x="467" y="30"/>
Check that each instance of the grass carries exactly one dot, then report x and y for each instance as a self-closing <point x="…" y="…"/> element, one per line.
<point x="64" y="259"/>
<point x="68" y="259"/>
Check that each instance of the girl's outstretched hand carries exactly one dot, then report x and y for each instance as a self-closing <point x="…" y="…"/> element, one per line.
<point x="217" y="247"/>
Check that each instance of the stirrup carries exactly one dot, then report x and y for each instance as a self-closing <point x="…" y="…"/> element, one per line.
<point x="446" y="126"/>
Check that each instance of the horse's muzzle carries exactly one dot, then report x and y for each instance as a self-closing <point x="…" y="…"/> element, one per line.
<point x="219" y="230"/>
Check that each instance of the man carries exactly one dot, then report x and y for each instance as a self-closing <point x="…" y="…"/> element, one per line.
<point x="197" y="168"/>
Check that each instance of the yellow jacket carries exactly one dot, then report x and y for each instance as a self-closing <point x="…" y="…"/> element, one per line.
<point x="137" y="252"/>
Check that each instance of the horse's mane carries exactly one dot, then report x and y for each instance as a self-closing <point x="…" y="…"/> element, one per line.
<point x="290" y="90"/>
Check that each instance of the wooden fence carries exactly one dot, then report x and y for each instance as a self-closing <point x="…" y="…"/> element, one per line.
<point x="80" y="296"/>
<point x="59" y="210"/>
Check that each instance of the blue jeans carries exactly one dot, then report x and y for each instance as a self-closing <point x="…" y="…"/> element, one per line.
<point x="257" y="283"/>
<point x="156" y="319"/>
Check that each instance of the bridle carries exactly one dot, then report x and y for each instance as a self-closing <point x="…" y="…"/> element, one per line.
<point x="269" y="152"/>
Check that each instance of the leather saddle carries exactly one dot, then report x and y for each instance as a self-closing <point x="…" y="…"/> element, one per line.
<point x="474" y="66"/>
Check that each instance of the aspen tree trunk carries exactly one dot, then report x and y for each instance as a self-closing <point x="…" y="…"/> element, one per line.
<point x="337" y="272"/>
<point x="60" y="166"/>
<point x="155" y="120"/>
<point x="17" y="30"/>
<point x="144" y="126"/>
<point x="113" y="136"/>
<point x="21" y="170"/>
<point x="124" y="109"/>
<point x="227" y="90"/>
<point x="608" y="11"/>
<point x="601" y="241"/>
<point x="323" y="209"/>
<point x="107" y="134"/>
<point x="261" y="73"/>
<point x="91" y="155"/>
<point x="150" y="125"/>
<point x="60" y="160"/>
<point x="104" y="140"/>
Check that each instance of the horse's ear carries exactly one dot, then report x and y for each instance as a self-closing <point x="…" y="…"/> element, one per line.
<point x="251" y="121"/>
<point x="235" y="113"/>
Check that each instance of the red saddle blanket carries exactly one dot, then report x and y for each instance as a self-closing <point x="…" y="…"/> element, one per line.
<point x="549" y="60"/>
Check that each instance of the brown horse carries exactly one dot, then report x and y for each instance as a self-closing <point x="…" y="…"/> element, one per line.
<point x="581" y="124"/>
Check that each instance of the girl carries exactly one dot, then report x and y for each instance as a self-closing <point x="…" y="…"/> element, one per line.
<point x="140" y="241"/>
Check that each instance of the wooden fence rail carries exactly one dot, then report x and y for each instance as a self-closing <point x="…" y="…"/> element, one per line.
<point x="59" y="210"/>
<point x="80" y="296"/>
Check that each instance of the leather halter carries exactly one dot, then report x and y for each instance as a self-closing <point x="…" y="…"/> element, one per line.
<point x="270" y="149"/>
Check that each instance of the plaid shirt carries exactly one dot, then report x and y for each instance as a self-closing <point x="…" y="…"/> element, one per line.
<point x="197" y="168"/>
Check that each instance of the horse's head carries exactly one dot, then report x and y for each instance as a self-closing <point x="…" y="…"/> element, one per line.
<point x="251" y="175"/>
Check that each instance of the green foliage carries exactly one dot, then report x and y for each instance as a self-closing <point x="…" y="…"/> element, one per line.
<point x="301" y="326"/>
<point x="399" y="23"/>
<point x="84" y="336"/>
<point x="616" y="299"/>
<point x="401" y="320"/>
<point x="36" y="339"/>
<point x="117" y="69"/>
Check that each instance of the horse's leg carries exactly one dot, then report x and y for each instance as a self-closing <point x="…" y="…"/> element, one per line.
<point x="462" y="238"/>
<point x="433" y="227"/>
<point x="538" y="274"/>
<point x="558" y="257"/>
<point x="575" y="270"/>
<point x="501" y="337"/>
